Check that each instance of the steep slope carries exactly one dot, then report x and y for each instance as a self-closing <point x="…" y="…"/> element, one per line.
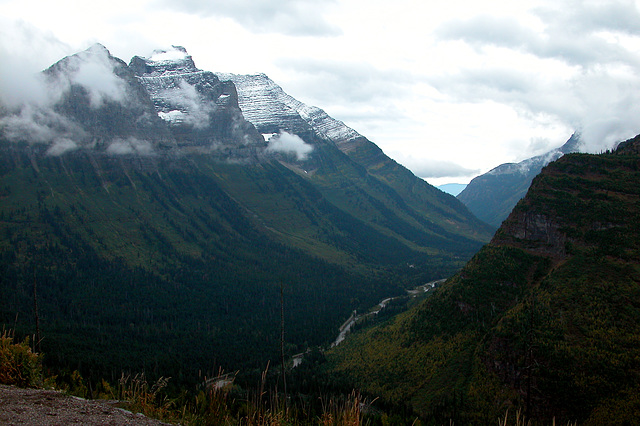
<point x="154" y="227"/>
<point x="491" y="196"/>
<point x="544" y="319"/>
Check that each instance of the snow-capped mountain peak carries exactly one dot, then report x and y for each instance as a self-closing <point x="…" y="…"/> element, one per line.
<point x="270" y="109"/>
<point x="173" y="61"/>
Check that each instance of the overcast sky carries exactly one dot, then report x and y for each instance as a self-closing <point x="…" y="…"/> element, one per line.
<point x="449" y="89"/>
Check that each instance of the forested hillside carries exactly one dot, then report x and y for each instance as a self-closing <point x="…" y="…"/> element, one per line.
<point x="161" y="269"/>
<point x="545" y="319"/>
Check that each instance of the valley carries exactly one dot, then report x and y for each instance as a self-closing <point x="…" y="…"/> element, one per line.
<point x="355" y="318"/>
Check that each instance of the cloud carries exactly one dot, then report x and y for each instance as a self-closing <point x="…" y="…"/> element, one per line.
<point x="579" y="16"/>
<point x="130" y="146"/>
<point x="609" y="106"/>
<point x="332" y="81"/>
<point x="24" y="52"/>
<point x="290" y="144"/>
<point x="61" y="146"/>
<point x="98" y="78"/>
<point x="93" y="69"/>
<point x="290" y="17"/>
<point x="430" y="168"/>
<point x="487" y="30"/>
<point x="572" y="35"/>
<point x="185" y="105"/>
<point x="569" y="66"/>
<point x="31" y="105"/>
<point x="36" y="124"/>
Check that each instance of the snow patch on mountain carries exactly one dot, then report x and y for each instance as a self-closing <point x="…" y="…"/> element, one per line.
<point x="173" y="61"/>
<point x="173" y="117"/>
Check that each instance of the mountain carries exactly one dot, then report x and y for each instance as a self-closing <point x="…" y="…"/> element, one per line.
<point x="147" y="225"/>
<point x="491" y="196"/>
<point x="272" y="111"/>
<point x="545" y="319"/>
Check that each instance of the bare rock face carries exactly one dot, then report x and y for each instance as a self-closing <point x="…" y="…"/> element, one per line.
<point x="533" y="231"/>
<point x="271" y="110"/>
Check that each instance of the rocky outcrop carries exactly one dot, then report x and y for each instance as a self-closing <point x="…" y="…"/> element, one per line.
<point x="201" y="111"/>
<point x="536" y="232"/>
<point x="271" y="110"/>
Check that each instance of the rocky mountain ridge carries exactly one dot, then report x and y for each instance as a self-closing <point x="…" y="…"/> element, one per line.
<point x="271" y="110"/>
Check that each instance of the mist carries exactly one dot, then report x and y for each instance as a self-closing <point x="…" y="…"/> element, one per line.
<point x="290" y="144"/>
<point x="30" y="100"/>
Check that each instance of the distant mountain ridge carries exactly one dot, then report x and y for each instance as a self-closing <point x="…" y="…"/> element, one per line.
<point x="160" y="226"/>
<point x="491" y="196"/>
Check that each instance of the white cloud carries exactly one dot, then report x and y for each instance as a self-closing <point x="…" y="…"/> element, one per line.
<point x="31" y="99"/>
<point x="24" y="52"/>
<point x="290" y="144"/>
<point x="292" y="17"/>
<point x="98" y="78"/>
<point x="430" y="168"/>
<point x="93" y="69"/>
<point x="130" y="146"/>
<point x="61" y="146"/>
<point x="186" y="106"/>
<point x="35" y="124"/>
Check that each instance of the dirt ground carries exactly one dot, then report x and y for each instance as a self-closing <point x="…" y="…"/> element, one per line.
<point x="47" y="407"/>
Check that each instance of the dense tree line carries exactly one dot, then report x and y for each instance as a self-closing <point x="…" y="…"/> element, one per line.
<point x="161" y="270"/>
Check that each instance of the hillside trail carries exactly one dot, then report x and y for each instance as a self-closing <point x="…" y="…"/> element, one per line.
<point x="48" y="407"/>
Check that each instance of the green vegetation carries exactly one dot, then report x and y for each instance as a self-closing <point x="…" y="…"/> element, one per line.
<point x="18" y="364"/>
<point x="174" y="266"/>
<point x="211" y="403"/>
<point x="544" y="320"/>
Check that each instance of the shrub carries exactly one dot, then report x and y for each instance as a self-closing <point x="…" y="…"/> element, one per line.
<point x="18" y="364"/>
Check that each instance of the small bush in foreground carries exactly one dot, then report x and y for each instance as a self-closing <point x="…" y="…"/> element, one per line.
<point x="18" y="364"/>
